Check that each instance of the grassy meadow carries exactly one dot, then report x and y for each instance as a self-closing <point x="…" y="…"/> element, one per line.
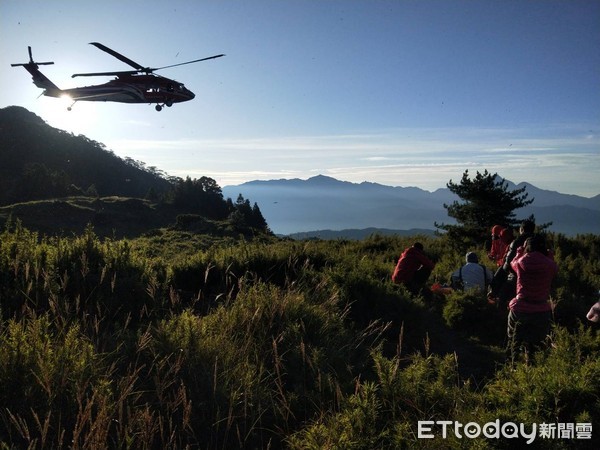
<point x="176" y="340"/>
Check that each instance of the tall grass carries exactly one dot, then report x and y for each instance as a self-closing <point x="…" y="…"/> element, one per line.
<point x="109" y="344"/>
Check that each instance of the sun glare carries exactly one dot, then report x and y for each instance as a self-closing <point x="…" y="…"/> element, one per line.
<point x="74" y="117"/>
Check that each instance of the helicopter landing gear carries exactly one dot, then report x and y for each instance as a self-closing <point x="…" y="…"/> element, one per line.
<point x="168" y="104"/>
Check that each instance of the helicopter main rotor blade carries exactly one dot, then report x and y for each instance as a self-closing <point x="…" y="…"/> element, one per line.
<point x="120" y="57"/>
<point x="98" y="74"/>
<point x="139" y="68"/>
<point x="188" y="62"/>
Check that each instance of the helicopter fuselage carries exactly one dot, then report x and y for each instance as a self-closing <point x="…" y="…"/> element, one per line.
<point x="129" y="89"/>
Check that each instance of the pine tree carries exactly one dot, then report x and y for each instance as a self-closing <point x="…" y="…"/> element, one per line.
<point x="258" y="220"/>
<point x="486" y="201"/>
<point x="246" y="216"/>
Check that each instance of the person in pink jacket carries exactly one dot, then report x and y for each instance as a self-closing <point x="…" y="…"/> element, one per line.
<point x="530" y="312"/>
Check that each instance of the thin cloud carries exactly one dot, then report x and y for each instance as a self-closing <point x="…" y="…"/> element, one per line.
<point x="427" y="158"/>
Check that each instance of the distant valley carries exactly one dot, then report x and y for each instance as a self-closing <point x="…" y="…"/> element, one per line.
<point x="324" y="206"/>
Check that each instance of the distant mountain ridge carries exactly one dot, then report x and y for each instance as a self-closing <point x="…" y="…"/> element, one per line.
<point x="324" y="203"/>
<point x="353" y="234"/>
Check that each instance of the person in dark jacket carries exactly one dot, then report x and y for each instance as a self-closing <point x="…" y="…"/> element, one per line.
<point x="413" y="269"/>
<point x="503" y="285"/>
<point x="530" y="312"/>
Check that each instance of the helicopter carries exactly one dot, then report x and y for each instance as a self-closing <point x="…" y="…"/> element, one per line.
<point x="141" y="85"/>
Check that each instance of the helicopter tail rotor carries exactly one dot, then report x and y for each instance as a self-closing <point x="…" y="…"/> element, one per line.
<point x="39" y="79"/>
<point x="31" y="62"/>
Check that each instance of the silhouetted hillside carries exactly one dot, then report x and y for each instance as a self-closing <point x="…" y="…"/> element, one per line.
<point x="54" y="182"/>
<point x="38" y="161"/>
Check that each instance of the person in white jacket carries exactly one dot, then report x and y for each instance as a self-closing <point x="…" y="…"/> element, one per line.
<point x="472" y="275"/>
<point x="594" y="313"/>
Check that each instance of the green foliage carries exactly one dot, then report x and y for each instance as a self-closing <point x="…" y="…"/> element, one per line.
<point x="486" y="201"/>
<point x="268" y="343"/>
<point x="562" y="385"/>
<point x="42" y="370"/>
<point x="200" y="196"/>
<point x="471" y="314"/>
<point x="384" y="413"/>
<point x="179" y="340"/>
<point x="242" y="216"/>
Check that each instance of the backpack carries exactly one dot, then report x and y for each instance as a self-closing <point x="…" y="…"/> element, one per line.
<point x="460" y="284"/>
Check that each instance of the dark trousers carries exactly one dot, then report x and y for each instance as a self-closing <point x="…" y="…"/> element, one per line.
<point x="507" y="292"/>
<point x="503" y="287"/>
<point x="526" y="332"/>
<point x="417" y="284"/>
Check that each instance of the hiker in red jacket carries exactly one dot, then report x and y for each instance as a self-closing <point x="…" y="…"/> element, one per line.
<point x="497" y="247"/>
<point x="530" y="314"/>
<point x="413" y="269"/>
<point x="501" y="239"/>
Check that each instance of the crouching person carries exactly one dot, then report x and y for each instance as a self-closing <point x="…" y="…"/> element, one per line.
<point x="413" y="270"/>
<point x="471" y="276"/>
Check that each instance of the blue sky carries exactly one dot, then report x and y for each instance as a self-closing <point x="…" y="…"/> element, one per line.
<point x="403" y="93"/>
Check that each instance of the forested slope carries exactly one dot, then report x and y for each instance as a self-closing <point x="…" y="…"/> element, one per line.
<point x="55" y="182"/>
<point x="38" y="162"/>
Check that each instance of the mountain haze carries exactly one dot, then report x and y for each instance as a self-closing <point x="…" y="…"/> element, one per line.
<point x="324" y="203"/>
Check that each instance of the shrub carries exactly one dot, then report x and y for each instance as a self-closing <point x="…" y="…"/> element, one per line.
<point x="384" y="413"/>
<point x="42" y="373"/>
<point x="562" y="385"/>
<point x="472" y="315"/>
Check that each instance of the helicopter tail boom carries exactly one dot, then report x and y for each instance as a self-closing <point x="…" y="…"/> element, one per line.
<point x="39" y="79"/>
